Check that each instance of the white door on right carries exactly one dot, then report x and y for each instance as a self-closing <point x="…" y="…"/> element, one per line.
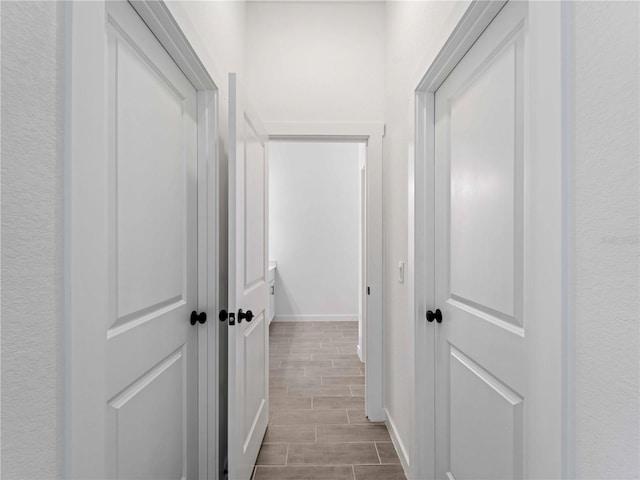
<point x="480" y="214"/>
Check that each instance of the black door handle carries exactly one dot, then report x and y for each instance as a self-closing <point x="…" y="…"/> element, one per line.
<point x="223" y="315"/>
<point x="248" y="315"/>
<point x="198" y="317"/>
<point x="434" y="316"/>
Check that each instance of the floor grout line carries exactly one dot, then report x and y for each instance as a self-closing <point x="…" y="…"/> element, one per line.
<point x="290" y="339"/>
<point x="377" y="452"/>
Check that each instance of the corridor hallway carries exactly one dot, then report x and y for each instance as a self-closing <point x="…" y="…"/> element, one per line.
<point x="317" y="428"/>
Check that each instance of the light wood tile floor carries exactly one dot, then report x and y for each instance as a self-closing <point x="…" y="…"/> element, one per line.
<point x="317" y="427"/>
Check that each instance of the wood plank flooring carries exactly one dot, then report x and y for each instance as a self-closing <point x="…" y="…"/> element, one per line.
<point x="317" y="427"/>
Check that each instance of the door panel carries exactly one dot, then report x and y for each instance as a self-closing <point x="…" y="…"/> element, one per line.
<point x="497" y="408"/>
<point x="479" y="204"/>
<point x="248" y="368"/>
<point x="482" y="193"/>
<point x="151" y="346"/>
<point x="254" y="209"/>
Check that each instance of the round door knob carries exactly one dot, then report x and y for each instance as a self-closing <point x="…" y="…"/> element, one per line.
<point x="223" y="315"/>
<point x="437" y="316"/>
<point x="198" y="317"/>
<point x="248" y="315"/>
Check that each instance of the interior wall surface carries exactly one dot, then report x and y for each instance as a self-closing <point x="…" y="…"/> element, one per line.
<point x="314" y="222"/>
<point x="415" y="33"/>
<point x="316" y="62"/>
<point x="32" y="150"/>
<point x="605" y="114"/>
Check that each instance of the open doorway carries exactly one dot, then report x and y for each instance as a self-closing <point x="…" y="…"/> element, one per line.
<point x="318" y="422"/>
<point x="316" y="224"/>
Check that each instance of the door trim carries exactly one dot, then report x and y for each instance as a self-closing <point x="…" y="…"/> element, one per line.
<point x="371" y="134"/>
<point x="546" y="285"/>
<point x="85" y="233"/>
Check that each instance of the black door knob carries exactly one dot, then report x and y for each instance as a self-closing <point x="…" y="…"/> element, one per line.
<point x="434" y="316"/>
<point x="198" y="317"/>
<point x="248" y="315"/>
<point x="223" y="315"/>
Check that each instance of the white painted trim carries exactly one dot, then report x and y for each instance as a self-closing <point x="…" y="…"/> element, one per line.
<point x="161" y="22"/>
<point x="569" y="467"/>
<point x="359" y="352"/>
<point x="546" y="282"/>
<point x="473" y="22"/>
<point x="546" y="263"/>
<point x="208" y="299"/>
<point x="315" y="130"/>
<point x="399" y="445"/>
<point x="315" y="318"/>
<point x="86" y="259"/>
<point x="372" y="134"/>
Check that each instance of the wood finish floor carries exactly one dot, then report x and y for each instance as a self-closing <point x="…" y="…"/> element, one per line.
<point x="317" y="428"/>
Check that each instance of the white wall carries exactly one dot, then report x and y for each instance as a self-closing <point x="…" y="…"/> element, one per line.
<point x="314" y="222"/>
<point x="32" y="206"/>
<point x="316" y="61"/>
<point x="606" y="215"/>
<point x="415" y="32"/>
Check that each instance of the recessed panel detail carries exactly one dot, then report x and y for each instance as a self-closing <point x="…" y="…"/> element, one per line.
<point x="254" y="228"/>
<point x="486" y="423"/>
<point x="483" y="187"/>
<point x="146" y="421"/>
<point x="149" y="186"/>
<point x="254" y="340"/>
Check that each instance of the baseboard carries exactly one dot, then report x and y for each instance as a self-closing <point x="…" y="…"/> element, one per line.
<point x="397" y="443"/>
<point x="316" y="318"/>
<point x="359" y="352"/>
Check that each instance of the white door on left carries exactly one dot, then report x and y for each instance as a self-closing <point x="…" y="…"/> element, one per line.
<point x="151" y="361"/>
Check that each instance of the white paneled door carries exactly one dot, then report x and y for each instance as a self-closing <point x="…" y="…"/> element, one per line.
<point x="480" y="207"/>
<point x="151" y="344"/>
<point x="248" y="331"/>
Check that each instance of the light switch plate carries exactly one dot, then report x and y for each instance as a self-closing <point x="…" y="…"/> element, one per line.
<point x="401" y="272"/>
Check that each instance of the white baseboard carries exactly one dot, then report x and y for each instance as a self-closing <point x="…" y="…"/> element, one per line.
<point x="397" y="443"/>
<point x="316" y="318"/>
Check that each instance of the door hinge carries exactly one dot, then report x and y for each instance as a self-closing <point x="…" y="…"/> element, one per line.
<point x="368" y="290"/>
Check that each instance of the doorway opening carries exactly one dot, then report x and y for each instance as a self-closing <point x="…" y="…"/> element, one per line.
<point x="318" y="202"/>
<point x="317" y="240"/>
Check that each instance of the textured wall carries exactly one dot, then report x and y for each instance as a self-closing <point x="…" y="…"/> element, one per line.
<point x="32" y="53"/>
<point x="314" y="222"/>
<point x="607" y="195"/>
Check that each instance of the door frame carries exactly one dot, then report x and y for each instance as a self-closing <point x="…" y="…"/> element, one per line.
<point x="361" y="348"/>
<point x="371" y="134"/>
<point x="548" y="422"/>
<point x="86" y="269"/>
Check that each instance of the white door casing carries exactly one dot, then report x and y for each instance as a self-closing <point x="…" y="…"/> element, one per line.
<point x="362" y="320"/>
<point x="248" y="285"/>
<point x="371" y="136"/>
